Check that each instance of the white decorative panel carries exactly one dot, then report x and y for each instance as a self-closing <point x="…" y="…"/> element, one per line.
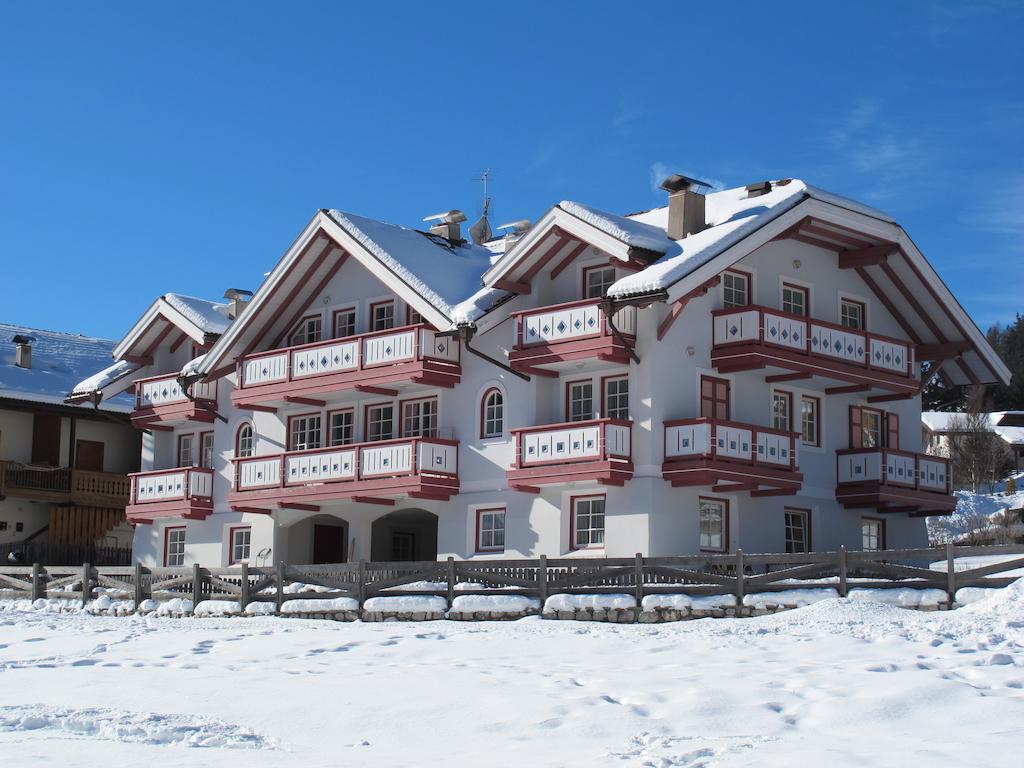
<point x="265" y="369"/>
<point x="625" y="321"/>
<point x="616" y="440"/>
<point x="741" y="325"/>
<point x="934" y="473"/>
<point x="784" y="331"/>
<point x="565" y="444"/>
<point x="161" y="392"/>
<point x="848" y="346"/>
<point x="775" y="449"/>
<point x="327" y="358"/>
<point x="257" y="472"/>
<point x="889" y="356"/>
<point x="384" y="460"/>
<point x="688" y="440"/>
<point x="389" y="348"/>
<point x="733" y="442"/>
<point x="900" y="468"/>
<point x="438" y="347"/>
<point x="437" y="457"/>
<point x="200" y="484"/>
<point x="859" y="467"/>
<point x="160" y="487"/>
<point x="320" y="466"/>
<point x="549" y="326"/>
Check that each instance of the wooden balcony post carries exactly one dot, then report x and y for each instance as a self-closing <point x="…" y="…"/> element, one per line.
<point x="638" y="575"/>
<point x="361" y="586"/>
<point x="279" y="578"/>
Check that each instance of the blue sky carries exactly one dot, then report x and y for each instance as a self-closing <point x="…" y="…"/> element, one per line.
<point x="147" y="148"/>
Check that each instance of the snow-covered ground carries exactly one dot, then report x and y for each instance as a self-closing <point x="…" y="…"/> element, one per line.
<point x="838" y="683"/>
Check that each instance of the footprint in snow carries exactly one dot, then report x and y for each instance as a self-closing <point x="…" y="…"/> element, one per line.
<point x="883" y="668"/>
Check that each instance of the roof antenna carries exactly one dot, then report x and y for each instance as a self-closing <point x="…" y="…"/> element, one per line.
<point x="481" y="230"/>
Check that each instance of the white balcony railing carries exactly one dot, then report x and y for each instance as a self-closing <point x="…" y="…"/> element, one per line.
<point x="165" y="390"/>
<point x="573" y="442"/>
<point x="895" y="468"/>
<point x="572" y="321"/>
<point x="180" y="484"/>
<point x="718" y="439"/>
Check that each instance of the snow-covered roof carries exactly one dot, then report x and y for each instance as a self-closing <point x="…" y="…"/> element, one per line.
<point x="208" y="316"/>
<point x="201" y="320"/>
<point x="59" y="362"/>
<point x="945" y="421"/>
<point x="444" y="274"/>
<point x="478" y="305"/>
<point x="631" y="232"/>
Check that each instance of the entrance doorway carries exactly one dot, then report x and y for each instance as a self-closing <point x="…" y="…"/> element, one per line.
<point x="404" y="535"/>
<point x="329" y="543"/>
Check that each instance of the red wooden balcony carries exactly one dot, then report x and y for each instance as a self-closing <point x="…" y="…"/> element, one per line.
<point x="161" y="400"/>
<point x="894" y="481"/>
<point x="414" y="353"/>
<point x="181" y="492"/>
<point x="746" y="338"/>
<point x="549" y="336"/>
<point x="598" y="449"/>
<point x="420" y="467"/>
<point x="730" y="456"/>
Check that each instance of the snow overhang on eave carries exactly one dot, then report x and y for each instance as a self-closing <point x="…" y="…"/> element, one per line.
<point x="152" y="327"/>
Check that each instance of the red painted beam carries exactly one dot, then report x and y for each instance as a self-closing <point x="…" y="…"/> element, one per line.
<point x="373" y="500"/>
<point x="913" y="302"/>
<point x="525" y="488"/>
<point x="848" y="390"/>
<point x="260" y="408"/>
<point x="945" y="351"/>
<point x="251" y="510"/>
<point x="781" y="377"/>
<point x="866" y="257"/>
<point x="890" y="398"/>
<point x="178" y="342"/>
<point x="513" y="287"/>
<point x="139" y="359"/>
<point x="774" y="492"/>
<point x="298" y="506"/>
<point x="537" y="371"/>
<point x="302" y="308"/>
<point x="382" y="391"/>
<point x="680" y="304"/>
<point x="569" y="259"/>
<point x="305" y="401"/>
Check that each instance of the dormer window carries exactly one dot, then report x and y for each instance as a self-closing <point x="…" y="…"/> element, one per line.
<point x="735" y="289"/>
<point x="382" y="316"/>
<point x="308" y="331"/>
<point x="851" y="314"/>
<point x="597" y="281"/>
<point x="795" y="299"/>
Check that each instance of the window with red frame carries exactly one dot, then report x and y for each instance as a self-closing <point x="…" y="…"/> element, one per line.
<point x="174" y="547"/>
<point x="490" y="530"/>
<point x="796" y="299"/>
<point x="345" y="323"/>
<point x="588" y="522"/>
<point x="492" y="414"/>
<point x="304" y="432"/>
<point x="382" y="316"/>
<point x="308" y="331"/>
<point x="380" y="422"/>
<point x="419" y="418"/>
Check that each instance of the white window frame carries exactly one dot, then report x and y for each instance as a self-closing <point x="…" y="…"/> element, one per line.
<point x="492" y="417"/>
<point x="790" y="515"/>
<point x="748" y="280"/>
<point x="807" y="288"/>
<point x="706" y="533"/>
<point x="373" y="423"/>
<point x="352" y="315"/>
<point x="872" y="541"/>
<point x="602" y="268"/>
<point x="487" y="535"/>
<point x="570" y="399"/>
<point x="174" y="546"/>
<point x="240" y="550"/>
<point x="311" y="423"/>
<point x="420" y="417"/>
<point x="591" y="531"/>
<point x="308" y="330"/>
<point x="619" y="411"/>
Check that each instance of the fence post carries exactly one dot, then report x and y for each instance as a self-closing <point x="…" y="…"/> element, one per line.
<point x="361" y="587"/>
<point x="842" y="571"/>
<point x="739" y="578"/>
<point x="197" y="585"/>
<point x="244" y="596"/>
<point x="451" y="580"/>
<point x="140" y="594"/>
<point x="638" y="576"/>
<point x="86" y="586"/>
<point x="542" y="580"/>
<point x="950" y="574"/>
<point x="280" y="586"/>
<point x="37" y="582"/>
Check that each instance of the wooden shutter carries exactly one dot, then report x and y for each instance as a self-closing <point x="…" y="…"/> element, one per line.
<point x="714" y="398"/>
<point x="89" y="455"/>
<point x="856" y="427"/>
<point x="46" y="429"/>
<point x="892" y="428"/>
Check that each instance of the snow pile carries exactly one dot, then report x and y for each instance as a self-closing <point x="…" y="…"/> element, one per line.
<point x="968" y="595"/>
<point x="903" y="598"/>
<point x="100" y="381"/>
<point x="298" y="587"/>
<point x="681" y="602"/>
<point x="217" y="608"/>
<point x="797" y="597"/>
<point x="574" y="602"/>
<point x="320" y="605"/>
<point x="105" y="604"/>
<point x="261" y="608"/>
<point x="494" y="604"/>
<point x="406" y="604"/>
<point x="174" y="607"/>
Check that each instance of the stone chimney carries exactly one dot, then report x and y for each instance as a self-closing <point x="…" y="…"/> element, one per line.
<point x="446" y="225"/>
<point x="237" y="299"/>
<point x="685" y="206"/>
<point x="23" y="351"/>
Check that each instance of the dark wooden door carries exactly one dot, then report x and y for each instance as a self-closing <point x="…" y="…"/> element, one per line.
<point x="46" y="439"/>
<point x="89" y="455"/>
<point x="328" y="543"/>
<point x="714" y="398"/>
<point x="403" y="546"/>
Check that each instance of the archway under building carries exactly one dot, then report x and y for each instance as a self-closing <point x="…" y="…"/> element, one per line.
<point x="404" y="535"/>
<point x="317" y="539"/>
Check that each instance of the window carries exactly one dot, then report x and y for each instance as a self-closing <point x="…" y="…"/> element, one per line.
<point x="810" y="424"/>
<point x="616" y="398"/>
<point x="798" y="531"/>
<point x="580" y="401"/>
<point x="382" y="316"/>
<point x="341" y="428"/>
<point x="865" y="427"/>
<point x="794" y="299"/>
<point x="735" y="289"/>
<point x="380" y="422"/>
<point x="714" y="530"/>
<point x="492" y="421"/>
<point x="588" y="522"/>
<point x="490" y="530"/>
<point x="344" y="323"/>
<point x="782" y="408"/>
<point x="851" y="314"/>
<point x="304" y="432"/>
<point x="3" y="525"/>
<point x="419" y="418"/>
<point x="174" y="547"/>
<point x="206" y="450"/>
<point x="19" y="527"/>
<point x="245" y="441"/>
<point x="414" y="317"/>
<point x="240" y="541"/>
<point x="306" y="332"/>
<point x="714" y="398"/>
<point x="597" y="281"/>
<point x="186" y="450"/>
<point x="872" y="534"/>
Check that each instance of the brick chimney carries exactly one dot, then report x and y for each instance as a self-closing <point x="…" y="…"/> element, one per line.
<point x="685" y="205"/>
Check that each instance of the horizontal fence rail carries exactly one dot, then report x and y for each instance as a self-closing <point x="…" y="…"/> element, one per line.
<point x="737" y="574"/>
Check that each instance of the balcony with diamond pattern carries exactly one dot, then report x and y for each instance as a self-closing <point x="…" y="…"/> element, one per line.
<point x="180" y="492"/>
<point x="160" y="400"/>
<point x="413" y="354"/>
<point x="890" y="480"/>
<point x="790" y="347"/>
<point x="549" y="337"/>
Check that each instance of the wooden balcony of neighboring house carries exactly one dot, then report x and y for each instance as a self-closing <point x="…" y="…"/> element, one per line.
<point x="180" y="492"/>
<point x="598" y="449"/>
<point x="371" y="472"/>
<point x="554" y="337"/>
<point x="61" y="485"/>
<point x="894" y="481"/>
<point x="730" y="456"/>
<point x="791" y="347"/>
<point x="161" y="401"/>
<point x="378" y="362"/>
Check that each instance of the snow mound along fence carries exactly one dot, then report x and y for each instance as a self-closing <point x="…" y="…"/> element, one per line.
<point x="619" y="590"/>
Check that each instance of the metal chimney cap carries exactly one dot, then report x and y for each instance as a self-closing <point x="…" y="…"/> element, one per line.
<point x="449" y="217"/>
<point x="679" y="183"/>
<point x="520" y="225"/>
<point x="237" y="293"/>
<point x="22" y="339"/>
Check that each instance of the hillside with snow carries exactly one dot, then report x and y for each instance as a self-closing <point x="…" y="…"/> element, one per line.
<point x="840" y="683"/>
<point x="978" y="513"/>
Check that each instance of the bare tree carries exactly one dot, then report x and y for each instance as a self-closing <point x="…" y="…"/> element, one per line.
<point x="980" y="457"/>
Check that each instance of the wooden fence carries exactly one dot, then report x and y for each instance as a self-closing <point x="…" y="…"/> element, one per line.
<point x="736" y="574"/>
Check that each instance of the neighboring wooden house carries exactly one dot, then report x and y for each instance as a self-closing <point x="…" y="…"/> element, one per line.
<point x="63" y="468"/>
<point x="735" y="370"/>
<point x="937" y="427"/>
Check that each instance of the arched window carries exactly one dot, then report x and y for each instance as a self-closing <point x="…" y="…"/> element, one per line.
<point x="245" y="442"/>
<point x="492" y="413"/>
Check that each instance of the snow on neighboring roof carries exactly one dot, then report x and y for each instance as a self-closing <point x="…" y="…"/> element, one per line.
<point x="442" y="273"/>
<point x="632" y="232"/>
<point x="943" y="421"/>
<point x="103" y="379"/>
<point x="208" y="316"/>
<point x="478" y="305"/>
<point x="731" y="216"/>
<point x="59" y="362"/>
